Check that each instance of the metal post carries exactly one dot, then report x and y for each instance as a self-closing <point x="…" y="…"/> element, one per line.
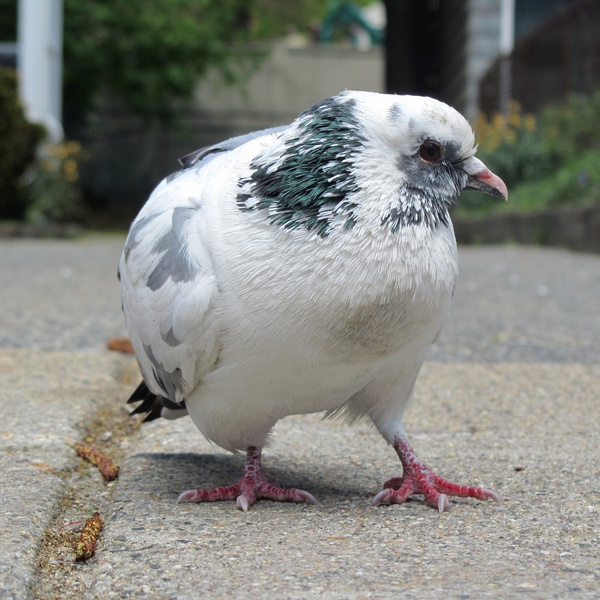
<point x="39" y="61"/>
<point x="507" y="42"/>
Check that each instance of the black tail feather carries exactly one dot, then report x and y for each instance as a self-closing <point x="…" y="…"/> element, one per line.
<point x="153" y="414"/>
<point x="151" y="404"/>
<point x="141" y="393"/>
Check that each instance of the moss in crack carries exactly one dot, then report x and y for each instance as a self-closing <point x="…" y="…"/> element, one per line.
<point x="111" y="430"/>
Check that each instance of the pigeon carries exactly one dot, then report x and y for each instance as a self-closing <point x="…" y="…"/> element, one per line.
<point x="303" y="269"/>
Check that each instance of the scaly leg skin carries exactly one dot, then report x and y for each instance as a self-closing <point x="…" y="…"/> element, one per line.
<point x="252" y="486"/>
<point x="418" y="478"/>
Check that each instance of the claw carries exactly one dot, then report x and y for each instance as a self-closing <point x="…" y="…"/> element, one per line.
<point x="443" y="503"/>
<point x="308" y="498"/>
<point x="417" y="478"/>
<point x="242" y="503"/>
<point x="186" y="496"/>
<point x="489" y="495"/>
<point x="381" y="497"/>
<point x="252" y="486"/>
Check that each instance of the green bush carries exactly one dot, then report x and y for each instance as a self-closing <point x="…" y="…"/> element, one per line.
<point x="20" y="139"/>
<point x="548" y="160"/>
<point x="51" y="185"/>
<point x="573" y="127"/>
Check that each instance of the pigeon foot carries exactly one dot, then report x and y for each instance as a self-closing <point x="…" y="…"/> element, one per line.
<point x="418" y="478"/>
<point x="252" y="487"/>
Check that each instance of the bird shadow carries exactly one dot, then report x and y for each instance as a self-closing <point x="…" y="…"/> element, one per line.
<point x="165" y="476"/>
<point x="169" y="474"/>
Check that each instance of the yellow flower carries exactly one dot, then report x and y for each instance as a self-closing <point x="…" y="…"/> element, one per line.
<point x="70" y="170"/>
<point x="529" y="122"/>
<point x="54" y="150"/>
<point x="499" y="129"/>
<point x="515" y="120"/>
<point x="73" y="147"/>
<point x="498" y="121"/>
<point x="514" y="107"/>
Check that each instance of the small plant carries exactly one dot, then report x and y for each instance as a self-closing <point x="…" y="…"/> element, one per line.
<point x="20" y="139"/>
<point x="515" y="145"/>
<point x="38" y="182"/>
<point x="573" y="128"/>
<point x="545" y="160"/>
<point x="51" y="186"/>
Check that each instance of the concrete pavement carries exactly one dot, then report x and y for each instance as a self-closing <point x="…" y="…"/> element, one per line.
<point x="508" y="399"/>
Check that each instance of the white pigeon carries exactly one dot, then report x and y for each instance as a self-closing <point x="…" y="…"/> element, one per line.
<point x="302" y="269"/>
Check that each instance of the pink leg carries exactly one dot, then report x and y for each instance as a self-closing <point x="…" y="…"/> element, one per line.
<point x="252" y="486"/>
<point x="418" y="478"/>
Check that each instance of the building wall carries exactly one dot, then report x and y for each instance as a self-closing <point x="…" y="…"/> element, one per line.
<point x="286" y="80"/>
<point x="128" y="158"/>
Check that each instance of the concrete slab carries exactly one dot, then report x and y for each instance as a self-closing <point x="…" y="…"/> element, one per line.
<point x="46" y="398"/>
<point x="528" y="432"/>
<point x="508" y="400"/>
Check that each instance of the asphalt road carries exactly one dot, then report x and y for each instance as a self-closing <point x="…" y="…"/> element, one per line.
<point x="508" y="399"/>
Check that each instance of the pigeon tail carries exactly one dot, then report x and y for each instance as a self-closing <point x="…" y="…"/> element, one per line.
<point x="252" y="486"/>
<point x="418" y="478"/>
<point x="152" y="404"/>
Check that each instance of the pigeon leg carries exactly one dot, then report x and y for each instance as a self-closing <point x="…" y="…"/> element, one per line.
<point x="418" y="478"/>
<point x="252" y="486"/>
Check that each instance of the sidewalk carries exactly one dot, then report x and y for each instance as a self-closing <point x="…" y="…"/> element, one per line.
<point x="509" y="400"/>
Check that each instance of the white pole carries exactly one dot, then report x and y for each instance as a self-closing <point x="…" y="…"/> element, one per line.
<point x="39" y="61"/>
<point x="507" y="26"/>
<point x="507" y="42"/>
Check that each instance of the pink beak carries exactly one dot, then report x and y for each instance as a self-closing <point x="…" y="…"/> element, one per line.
<point x="482" y="179"/>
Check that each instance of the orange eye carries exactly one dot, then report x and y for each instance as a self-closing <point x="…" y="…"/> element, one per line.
<point x="430" y="152"/>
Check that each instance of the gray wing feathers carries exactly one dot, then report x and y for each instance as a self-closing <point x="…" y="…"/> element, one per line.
<point x="207" y="153"/>
<point x="169" y="291"/>
<point x="168" y="283"/>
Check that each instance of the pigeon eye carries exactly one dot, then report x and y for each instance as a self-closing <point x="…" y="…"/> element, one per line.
<point x="430" y="152"/>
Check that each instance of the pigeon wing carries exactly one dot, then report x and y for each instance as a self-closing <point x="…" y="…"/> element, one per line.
<point x="168" y="283"/>
<point x="169" y="289"/>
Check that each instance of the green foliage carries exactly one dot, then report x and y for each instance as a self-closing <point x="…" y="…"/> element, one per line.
<point x="150" y="54"/>
<point x="276" y="18"/>
<point x="147" y="53"/>
<point x="573" y="128"/>
<point x="37" y="183"/>
<point x="547" y="161"/>
<point x="577" y="181"/>
<point x="51" y="187"/>
<point x="17" y="150"/>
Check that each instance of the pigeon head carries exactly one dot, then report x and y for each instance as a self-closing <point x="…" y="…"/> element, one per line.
<point x="424" y="150"/>
<point x="405" y="159"/>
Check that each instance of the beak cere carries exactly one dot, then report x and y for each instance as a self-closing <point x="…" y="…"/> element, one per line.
<point x="482" y="179"/>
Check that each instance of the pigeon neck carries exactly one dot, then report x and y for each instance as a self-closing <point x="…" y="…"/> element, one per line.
<point x="416" y="209"/>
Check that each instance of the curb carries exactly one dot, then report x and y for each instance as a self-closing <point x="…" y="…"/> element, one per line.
<point x="15" y="229"/>
<point x="574" y="227"/>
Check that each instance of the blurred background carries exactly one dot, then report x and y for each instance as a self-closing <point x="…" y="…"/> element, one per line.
<point x="99" y="98"/>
